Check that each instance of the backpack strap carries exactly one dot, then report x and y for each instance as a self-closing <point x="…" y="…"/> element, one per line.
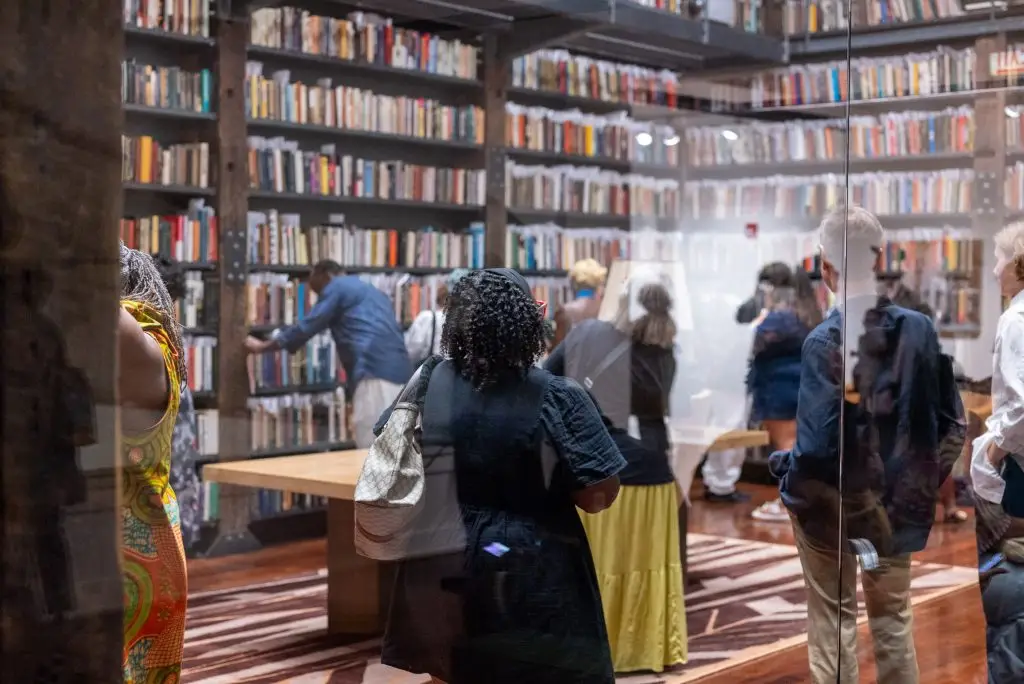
<point x="606" y="362"/>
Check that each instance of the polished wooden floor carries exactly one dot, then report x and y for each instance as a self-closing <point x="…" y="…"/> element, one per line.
<point x="949" y="632"/>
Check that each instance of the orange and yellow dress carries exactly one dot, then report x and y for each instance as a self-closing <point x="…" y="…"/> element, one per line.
<point x="153" y="556"/>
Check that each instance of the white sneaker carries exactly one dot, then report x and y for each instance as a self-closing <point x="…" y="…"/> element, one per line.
<point x="771" y="511"/>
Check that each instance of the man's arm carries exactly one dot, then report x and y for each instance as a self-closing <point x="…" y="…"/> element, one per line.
<point x="818" y="408"/>
<point x="293" y="337"/>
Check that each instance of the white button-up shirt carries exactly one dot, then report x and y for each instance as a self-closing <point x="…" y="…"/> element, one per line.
<point x="1005" y="426"/>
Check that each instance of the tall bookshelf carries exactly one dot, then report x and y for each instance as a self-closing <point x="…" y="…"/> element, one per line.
<point x="511" y="120"/>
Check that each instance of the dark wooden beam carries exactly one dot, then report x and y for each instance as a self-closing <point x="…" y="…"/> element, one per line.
<point x="496" y="69"/>
<point x="60" y="201"/>
<point x="232" y="208"/>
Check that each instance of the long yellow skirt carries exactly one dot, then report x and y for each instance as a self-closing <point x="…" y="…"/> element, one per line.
<point x="635" y="544"/>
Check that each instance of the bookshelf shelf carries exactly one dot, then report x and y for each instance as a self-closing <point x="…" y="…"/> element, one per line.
<point x="295" y="449"/>
<point x="167" y="113"/>
<point x="204" y="396"/>
<point x="571" y="219"/>
<point x="335" y="131"/>
<point x="154" y="188"/>
<point x="808" y="223"/>
<point x="138" y="33"/>
<point x="837" y="110"/>
<point x="294" y="389"/>
<point x="893" y="36"/>
<point x="621" y="165"/>
<point x="344" y="66"/>
<point x="363" y="201"/>
<point x="202" y="331"/>
<point x="303" y="269"/>
<point x="917" y="162"/>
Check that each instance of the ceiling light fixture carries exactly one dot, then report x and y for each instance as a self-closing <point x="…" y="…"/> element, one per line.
<point x="672" y="141"/>
<point x="730" y="135"/>
<point x="644" y="139"/>
<point x="1012" y="113"/>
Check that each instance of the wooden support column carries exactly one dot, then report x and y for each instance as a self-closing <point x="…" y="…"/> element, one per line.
<point x="232" y="208"/>
<point x="496" y="71"/>
<point x="989" y="142"/>
<point x="61" y="613"/>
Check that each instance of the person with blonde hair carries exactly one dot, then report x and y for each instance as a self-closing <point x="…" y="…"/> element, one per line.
<point x="997" y="476"/>
<point x="862" y="479"/>
<point x="587" y="278"/>
<point x="629" y="366"/>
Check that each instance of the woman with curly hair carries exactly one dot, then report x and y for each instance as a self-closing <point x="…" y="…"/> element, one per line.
<point x="520" y="602"/>
<point x="636" y="544"/>
<point x="151" y="372"/>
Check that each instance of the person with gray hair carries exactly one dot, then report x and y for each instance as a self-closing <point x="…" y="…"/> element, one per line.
<point x="878" y="416"/>
<point x="423" y="338"/>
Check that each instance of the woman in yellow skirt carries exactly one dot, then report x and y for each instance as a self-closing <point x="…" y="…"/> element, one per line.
<point x="635" y="543"/>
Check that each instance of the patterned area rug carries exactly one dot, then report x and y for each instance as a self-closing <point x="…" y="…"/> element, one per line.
<point x="744" y="600"/>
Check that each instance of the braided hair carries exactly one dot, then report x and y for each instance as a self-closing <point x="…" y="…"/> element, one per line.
<point x="141" y="282"/>
<point x="493" y="329"/>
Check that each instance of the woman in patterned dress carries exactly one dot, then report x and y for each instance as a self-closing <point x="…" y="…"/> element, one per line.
<point x="151" y="372"/>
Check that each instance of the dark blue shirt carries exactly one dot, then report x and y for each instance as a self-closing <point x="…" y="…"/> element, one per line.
<point x="773" y="379"/>
<point x="890" y="463"/>
<point x="362" y="322"/>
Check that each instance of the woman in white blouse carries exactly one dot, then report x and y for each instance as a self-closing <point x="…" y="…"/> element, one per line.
<point x="423" y="338"/>
<point x="1005" y="427"/>
<point x="998" y="478"/>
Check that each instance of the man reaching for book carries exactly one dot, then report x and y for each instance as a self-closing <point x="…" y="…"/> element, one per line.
<point x="369" y="341"/>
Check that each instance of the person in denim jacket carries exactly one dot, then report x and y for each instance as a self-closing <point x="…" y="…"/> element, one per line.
<point x="862" y="480"/>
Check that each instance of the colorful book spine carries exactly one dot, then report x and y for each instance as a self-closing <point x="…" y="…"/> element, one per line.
<point x="166" y="87"/>
<point x="145" y="160"/>
<point x="190" y="237"/>
<point x="186" y="17"/>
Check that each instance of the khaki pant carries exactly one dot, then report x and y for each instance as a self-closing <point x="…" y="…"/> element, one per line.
<point x="832" y="616"/>
<point x="371" y="398"/>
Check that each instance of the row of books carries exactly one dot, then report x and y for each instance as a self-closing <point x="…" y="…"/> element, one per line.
<point x="411" y="295"/>
<point x="365" y="38"/>
<point x="316" y="363"/>
<point x="819" y="16"/>
<point x="572" y="132"/>
<point x="589" y="190"/>
<point x="144" y="160"/>
<point x="280" y="239"/>
<point x="297" y="420"/>
<point x="1013" y="187"/>
<point x="201" y="362"/>
<point x="897" y="134"/>
<point x="187" y="17"/>
<point x="278" y="98"/>
<point x="194" y="310"/>
<point x="944" y="192"/>
<point x="278" y="165"/>
<point x="946" y="255"/>
<point x="567" y="73"/>
<point x="189" y="237"/>
<point x="207" y="432"/>
<point x="671" y="6"/>
<point x="166" y="87"/>
<point x="548" y="247"/>
<point x="277" y="299"/>
<point x="930" y="73"/>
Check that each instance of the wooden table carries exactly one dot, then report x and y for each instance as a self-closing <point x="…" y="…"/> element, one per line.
<point x="358" y="588"/>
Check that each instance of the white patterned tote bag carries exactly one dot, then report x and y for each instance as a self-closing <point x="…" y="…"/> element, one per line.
<point x="391" y="483"/>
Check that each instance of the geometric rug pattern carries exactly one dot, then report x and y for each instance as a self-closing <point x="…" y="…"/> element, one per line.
<point x="744" y="599"/>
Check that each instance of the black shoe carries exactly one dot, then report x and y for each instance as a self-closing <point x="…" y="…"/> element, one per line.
<point x="731" y="497"/>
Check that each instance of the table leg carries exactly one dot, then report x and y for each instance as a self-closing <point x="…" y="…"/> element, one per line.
<point x="358" y="589"/>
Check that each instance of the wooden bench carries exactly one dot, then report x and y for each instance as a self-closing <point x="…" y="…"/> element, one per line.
<point x="358" y="588"/>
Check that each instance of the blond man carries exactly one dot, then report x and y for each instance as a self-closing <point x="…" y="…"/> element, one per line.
<point x="587" y="278"/>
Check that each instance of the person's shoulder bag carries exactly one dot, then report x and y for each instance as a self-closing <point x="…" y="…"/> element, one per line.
<point x="391" y="484"/>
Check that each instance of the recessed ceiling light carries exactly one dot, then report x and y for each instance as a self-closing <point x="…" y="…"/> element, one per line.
<point x="1012" y="113"/>
<point x="672" y="141"/>
<point x="644" y="139"/>
<point x="730" y="135"/>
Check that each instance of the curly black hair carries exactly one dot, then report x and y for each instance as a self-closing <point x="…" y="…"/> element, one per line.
<point x="493" y="330"/>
